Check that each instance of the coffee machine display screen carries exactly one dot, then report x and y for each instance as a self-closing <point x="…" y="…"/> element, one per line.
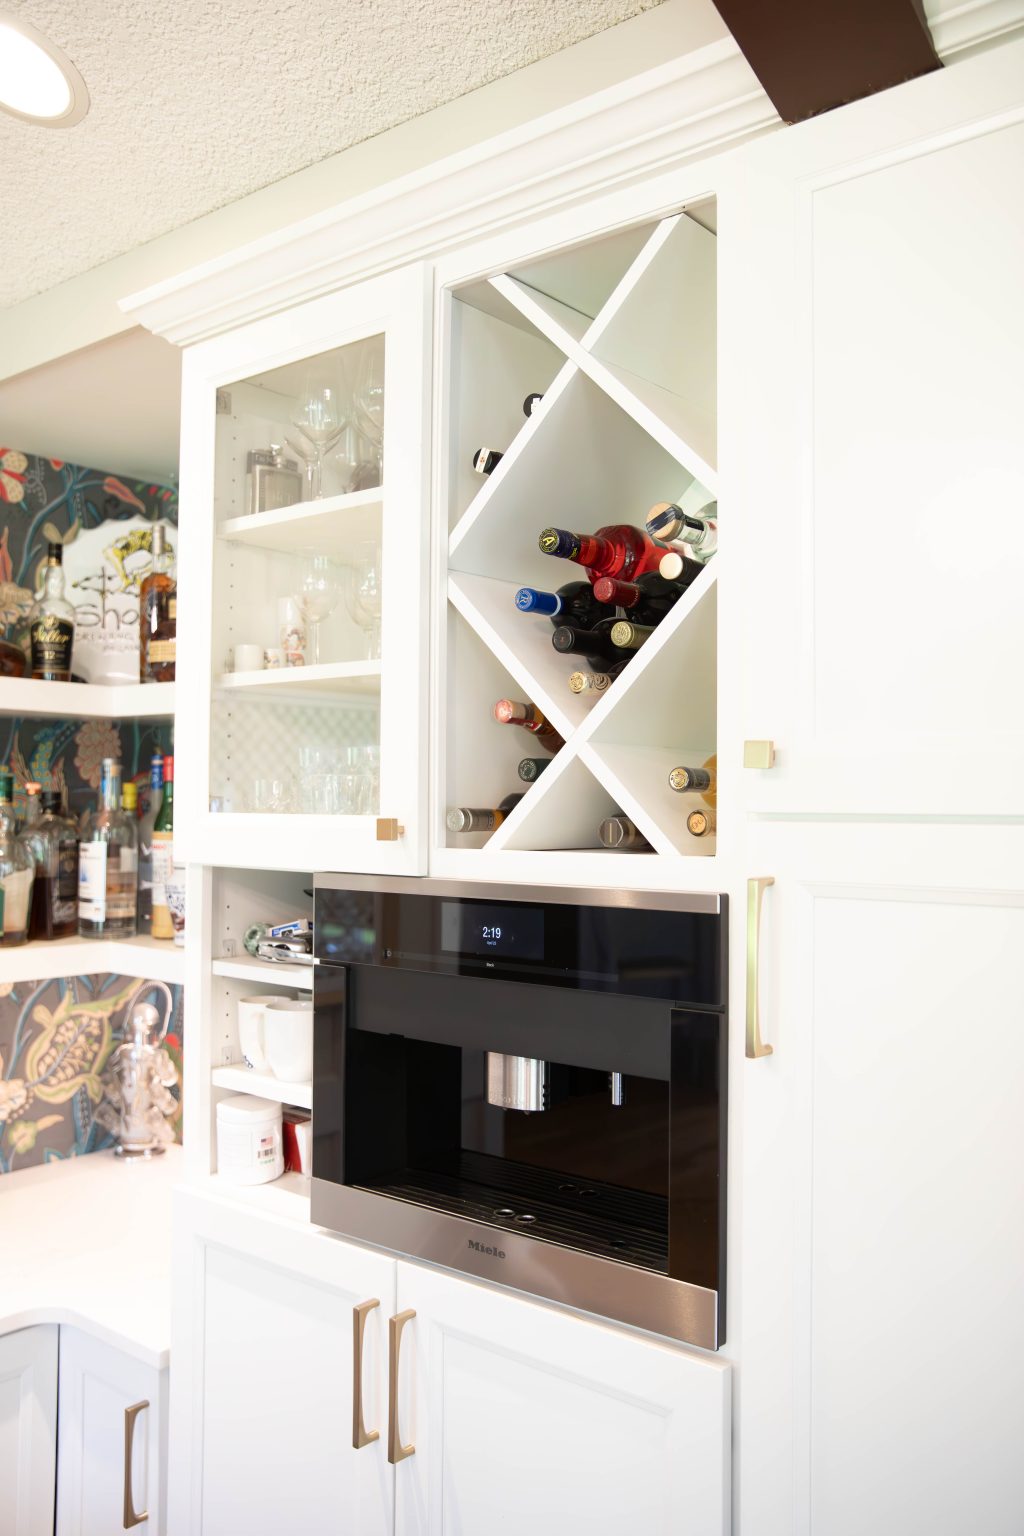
<point x="478" y="928"/>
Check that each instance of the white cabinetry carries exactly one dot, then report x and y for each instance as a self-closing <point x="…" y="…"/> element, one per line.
<point x="112" y="1447"/>
<point x="28" y="1430"/>
<point x="519" y="1416"/>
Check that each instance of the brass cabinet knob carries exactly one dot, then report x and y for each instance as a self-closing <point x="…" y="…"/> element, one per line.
<point x="389" y="829"/>
<point x="759" y="754"/>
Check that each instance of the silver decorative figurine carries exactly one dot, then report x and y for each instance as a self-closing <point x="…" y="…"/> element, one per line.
<point x="137" y="1099"/>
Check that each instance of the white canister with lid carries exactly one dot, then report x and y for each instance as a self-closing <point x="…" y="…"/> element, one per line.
<point x="249" y="1145"/>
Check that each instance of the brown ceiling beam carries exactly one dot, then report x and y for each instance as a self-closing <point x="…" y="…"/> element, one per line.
<point x="812" y="55"/>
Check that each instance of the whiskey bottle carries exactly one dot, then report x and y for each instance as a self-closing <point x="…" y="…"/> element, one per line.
<point x="531" y="402"/>
<point x="51" y="624"/>
<point x="108" y="865"/>
<point x="160" y="924"/>
<point x="531" y="768"/>
<point x="17" y="872"/>
<point x="573" y="603"/>
<point x="594" y="682"/>
<point x="54" y="844"/>
<point x="701" y="823"/>
<point x="158" y="614"/>
<point x="620" y="832"/>
<point x="695" y="533"/>
<point x="618" y="550"/>
<point x="144" y="832"/>
<point x="467" y="818"/>
<point x="629" y="636"/>
<point x="514" y="712"/>
<point x="702" y="781"/>
<point x="486" y="459"/>
<point x="595" y="644"/>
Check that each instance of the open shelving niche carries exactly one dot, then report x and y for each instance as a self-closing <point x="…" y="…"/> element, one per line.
<point x="620" y="337"/>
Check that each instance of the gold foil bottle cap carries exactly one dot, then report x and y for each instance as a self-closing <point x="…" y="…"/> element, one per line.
<point x="589" y="682"/>
<point x="700" y="823"/>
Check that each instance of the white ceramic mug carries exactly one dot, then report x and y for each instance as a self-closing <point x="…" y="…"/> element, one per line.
<point x="252" y="1032"/>
<point x="248" y="658"/>
<point x="288" y="1032"/>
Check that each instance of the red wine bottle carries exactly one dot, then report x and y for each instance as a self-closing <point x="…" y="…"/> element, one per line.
<point x="650" y="597"/>
<point x="595" y="644"/>
<point x="531" y="768"/>
<point x="572" y="604"/>
<point x="618" y="550"/>
<point x="514" y="712"/>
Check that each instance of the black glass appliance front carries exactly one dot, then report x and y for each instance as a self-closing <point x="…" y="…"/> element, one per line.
<point x="547" y="1074"/>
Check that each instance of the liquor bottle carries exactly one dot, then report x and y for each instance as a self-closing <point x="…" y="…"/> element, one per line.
<point x="514" y="712"/>
<point x="650" y="597"/>
<point x="691" y="531"/>
<point x="620" y="832"/>
<point x="468" y="818"/>
<point x="33" y="807"/>
<point x="594" y="682"/>
<point x="54" y="844"/>
<point x="531" y="402"/>
<point x="108" y="865"/>
<point x="531" y="768"/>
<point x="130" y="801"/>
<point x="702" y="781"/>
<point x="595" y="644"/>
<point x="158" y="614"/>
<point x="486" y="459"/>
<point x="17" y="872"/>
<point x="629" y="636"/>
<point x="573" y="603"/>
<point x="144" y="831"/>
<point x="618" y="550"/>
<point x="160" y="924"/>
<point x="51" y="623"/>
<point x="701" y="823"/>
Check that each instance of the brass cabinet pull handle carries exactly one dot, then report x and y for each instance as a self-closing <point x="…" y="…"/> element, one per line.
<point x="360" y="1434"/>
<point x="130" y="1517"/>
<point x="755" y="892"/>
<point x="396" y="1450"/>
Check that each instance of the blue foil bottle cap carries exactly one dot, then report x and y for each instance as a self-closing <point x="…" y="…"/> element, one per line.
<point x="559" y="541"/>
<point x="529" y="600"/>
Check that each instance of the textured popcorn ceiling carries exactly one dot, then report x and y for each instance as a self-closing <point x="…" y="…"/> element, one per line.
<point x="196" y="104"/>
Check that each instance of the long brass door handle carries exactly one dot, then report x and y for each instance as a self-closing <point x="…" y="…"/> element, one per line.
<point x="755" y="894"/>
<point x="396" y="1450"/>
<point x="130" y="1517"/>
<point x="360" y="1434"/>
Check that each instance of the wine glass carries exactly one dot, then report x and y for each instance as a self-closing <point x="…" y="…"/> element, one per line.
<point x="368" y="397"/>
<point x="363" y="594"/>
<point x="319" y="417"/>
<point x="317" y="594"/>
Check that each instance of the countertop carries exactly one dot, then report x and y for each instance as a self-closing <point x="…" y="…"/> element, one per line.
<point x="87" y="1241"/>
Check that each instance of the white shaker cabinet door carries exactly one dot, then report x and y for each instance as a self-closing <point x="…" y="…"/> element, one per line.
<point x="262" y="1396"/>
<point x="881" y="1252"/>
<point x="872" y="395"/>
<point x="111" y="1456"/>
<point x="527" y="1419"/>
<point x="28" y="1430"/>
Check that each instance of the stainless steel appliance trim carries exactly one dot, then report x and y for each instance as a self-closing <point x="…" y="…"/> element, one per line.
<point x="563" y="895"/>
<point x="622" y="1292"/>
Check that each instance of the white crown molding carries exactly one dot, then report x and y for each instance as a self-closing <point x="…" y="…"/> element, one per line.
<point x="687" y="108"/>
<point x="956" y="27"/>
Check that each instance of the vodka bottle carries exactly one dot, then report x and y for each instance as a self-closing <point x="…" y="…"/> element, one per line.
<point x="108" y="865"/>
<point x="689" y="531"/>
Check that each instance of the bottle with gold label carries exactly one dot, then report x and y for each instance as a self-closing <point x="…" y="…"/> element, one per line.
<point x="158" y="614"/>
<point x="702" y="781"/>
<point x="51" y="624"/>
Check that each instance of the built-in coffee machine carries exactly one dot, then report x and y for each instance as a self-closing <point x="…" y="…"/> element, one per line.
<point x="528" y="1085"/>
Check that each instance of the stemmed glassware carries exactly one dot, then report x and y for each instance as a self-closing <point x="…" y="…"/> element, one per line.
<point x="363" y="594"/>
<point x="319" y="417"/>
<point x="317" y="595"/>
<point x="368" y="396"/>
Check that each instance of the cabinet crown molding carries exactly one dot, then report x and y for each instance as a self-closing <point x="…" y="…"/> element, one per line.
<point x="703" y="101"/>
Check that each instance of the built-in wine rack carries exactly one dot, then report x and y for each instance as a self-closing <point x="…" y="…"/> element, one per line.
<point x="620" y="338"/>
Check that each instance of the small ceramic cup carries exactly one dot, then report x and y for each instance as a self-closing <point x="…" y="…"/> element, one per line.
<point x="272" y="659"/>
<point x="288" y="1032"/>
<point x="251" y="1032"/>
<point x="248" y="658"/>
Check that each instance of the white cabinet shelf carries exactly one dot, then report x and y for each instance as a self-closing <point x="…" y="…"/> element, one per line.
<point x="331" y="525"/>
<point x="149" y="959"/>
<point x="238" y="1078"/>
<point x="86" y="701"/>
<point x="332" y="679"/>
<point x="271" y="972"/>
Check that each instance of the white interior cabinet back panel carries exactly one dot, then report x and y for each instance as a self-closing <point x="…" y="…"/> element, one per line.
<point x="28" y="1430"/>
<point x="872" y="354"/>
<point x="528" y="1419"/>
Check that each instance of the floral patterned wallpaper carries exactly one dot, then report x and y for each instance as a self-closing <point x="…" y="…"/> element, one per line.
<point x="57" y="1036"/>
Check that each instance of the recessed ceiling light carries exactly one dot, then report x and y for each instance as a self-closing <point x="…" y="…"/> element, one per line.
<point x="38" y="82"/>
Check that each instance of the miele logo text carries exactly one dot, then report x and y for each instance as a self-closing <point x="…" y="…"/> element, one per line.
<point x="495" y="1253"/>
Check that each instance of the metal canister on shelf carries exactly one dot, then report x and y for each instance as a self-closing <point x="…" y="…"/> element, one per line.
<point x="273" y="480"/>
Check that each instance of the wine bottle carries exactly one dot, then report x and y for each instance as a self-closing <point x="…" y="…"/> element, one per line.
<point x="469" y="818"/>
<point x="617" y="550"/>
<point x="697" y="534"/>
<point x="594" y="682"/>
<point x="573" y="603"/>
<point x="620" y="832"/>
<point x="160" y="924"/>
<point x="108" y="865"/>
<point x="650" y="597"/>
<point x="629" y="636"/>
<point x="531" y="768"/>
<point x="531" y="403"/>
<point x="514" y="712"/>
<point x="701" y="823"/>
<point x="702" y="781"/>
<point x="486" y="459"/>
<point x="595" y="644"/>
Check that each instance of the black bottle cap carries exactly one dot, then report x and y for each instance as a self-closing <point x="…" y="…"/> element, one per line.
<point x="54" y="553"/>
<point x="531" y="401"/>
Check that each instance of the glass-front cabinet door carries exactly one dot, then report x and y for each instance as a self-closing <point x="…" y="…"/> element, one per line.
<point x="302" y="631"/>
